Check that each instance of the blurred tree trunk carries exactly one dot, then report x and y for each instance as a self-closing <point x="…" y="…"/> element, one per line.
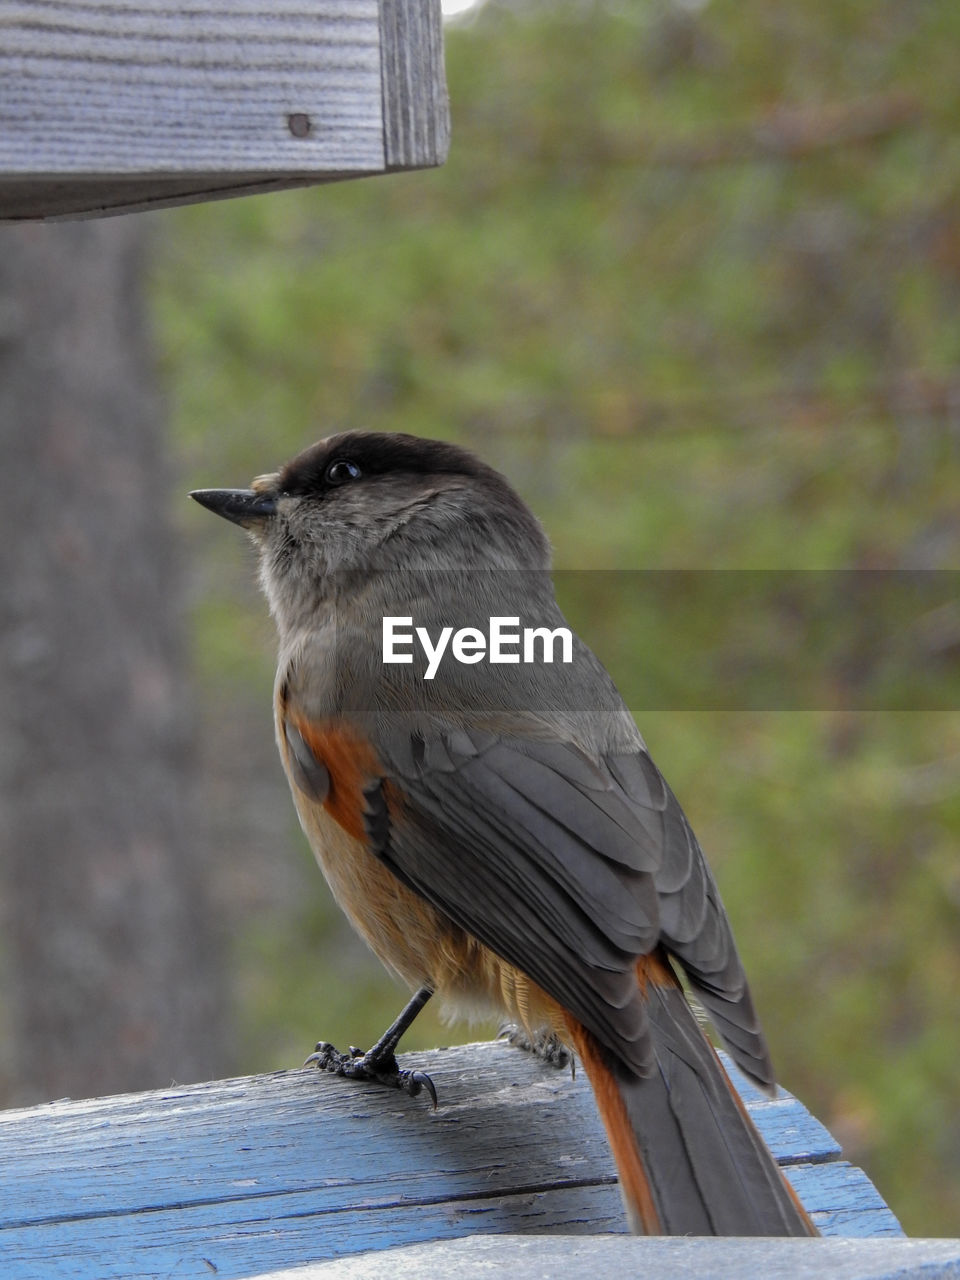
<point x="110" y="957"/>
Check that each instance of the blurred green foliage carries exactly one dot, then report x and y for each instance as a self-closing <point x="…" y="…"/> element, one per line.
<point x="691" y="277"/>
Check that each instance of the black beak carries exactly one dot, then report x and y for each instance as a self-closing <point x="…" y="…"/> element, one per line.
<point x="244" y="507"/>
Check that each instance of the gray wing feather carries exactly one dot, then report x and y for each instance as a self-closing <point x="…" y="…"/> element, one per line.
<point x="570" y="869"/>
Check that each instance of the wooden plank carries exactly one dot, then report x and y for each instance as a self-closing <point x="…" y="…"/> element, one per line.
<point x="842" y="1200"/>
<point x="110" y="86"/>
<point x="507" y="1103"/>
<point x="205" y="1240"/>
<point x="58" y="200"/>
<point x="416" y="109"/>
<point x="112" y="105"/>
<point x="677" y="1258"/>
<point x="244" y="1175"/>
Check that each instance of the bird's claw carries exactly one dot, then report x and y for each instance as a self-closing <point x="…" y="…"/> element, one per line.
<point x="546" y="1046"/>
<point x="325" y="1057"/>
<point x="416" y="1082"/>
<point x="357" y="1065"/>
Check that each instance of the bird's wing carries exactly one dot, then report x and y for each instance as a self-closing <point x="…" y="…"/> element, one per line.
<point x="568" y="868"/>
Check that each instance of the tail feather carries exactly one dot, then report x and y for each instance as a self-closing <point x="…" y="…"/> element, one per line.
<point x="690" y="1159"/>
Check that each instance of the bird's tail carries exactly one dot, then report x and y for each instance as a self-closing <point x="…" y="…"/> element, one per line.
<point x="689" y="1157"/>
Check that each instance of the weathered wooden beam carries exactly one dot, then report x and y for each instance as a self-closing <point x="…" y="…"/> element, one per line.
<point x="112" y="105"/>
<point x="239" y="1177"/>
<point x="676" y="1258"/>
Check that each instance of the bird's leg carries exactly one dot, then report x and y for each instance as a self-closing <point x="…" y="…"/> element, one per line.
<point x="380" y="1062"/>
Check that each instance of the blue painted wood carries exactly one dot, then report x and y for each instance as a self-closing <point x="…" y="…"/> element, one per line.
<point x="842" y="1200"/>
<point x="252" y="1174"/>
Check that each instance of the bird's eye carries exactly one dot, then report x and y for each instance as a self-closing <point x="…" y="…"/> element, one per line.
<point x="341" y="471"/>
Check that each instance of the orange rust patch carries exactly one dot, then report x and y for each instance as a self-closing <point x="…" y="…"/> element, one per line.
<point x="351" y="762"/>
<point x="395" y="799"/>
<point x="634" y="1183"/>
<point x="655" y="970"/>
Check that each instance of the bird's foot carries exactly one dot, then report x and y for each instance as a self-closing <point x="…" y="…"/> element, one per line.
<point x="545" y="1045"/>
<point x="381" y="1067"/>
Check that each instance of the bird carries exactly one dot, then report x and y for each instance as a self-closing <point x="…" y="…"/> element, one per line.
<point x="498" y="833"/>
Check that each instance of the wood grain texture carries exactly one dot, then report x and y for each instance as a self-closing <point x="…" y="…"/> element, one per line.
<point x="110" y="105"/>
<point x="132" y="88"/>
<point x="271" y="1171"/>
<point x="416" y="110"/>
<point x="676" y="1258"/>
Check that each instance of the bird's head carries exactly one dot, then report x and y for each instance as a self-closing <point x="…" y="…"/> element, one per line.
<point x="370" y="503"/>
